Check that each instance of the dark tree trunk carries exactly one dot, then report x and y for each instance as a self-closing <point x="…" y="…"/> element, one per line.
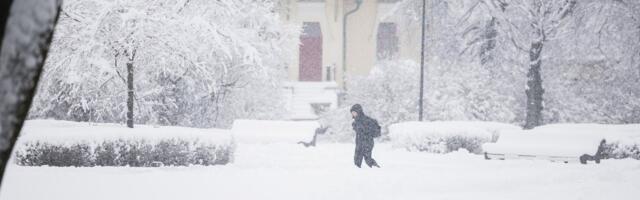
<point x="26" y="31"/>
<point x="130" y="93"/>
<point x="5" y="7"/>
<point x="490" y="34"/>
<point x="534" y="87"/>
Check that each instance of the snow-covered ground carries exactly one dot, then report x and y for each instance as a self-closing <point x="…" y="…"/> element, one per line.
<point x="287" y="171"/>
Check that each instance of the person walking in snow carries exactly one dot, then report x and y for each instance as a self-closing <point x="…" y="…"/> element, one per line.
<point x="366" y="129"/>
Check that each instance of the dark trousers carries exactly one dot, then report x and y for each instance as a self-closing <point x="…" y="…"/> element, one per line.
<point x="363" y="151"/>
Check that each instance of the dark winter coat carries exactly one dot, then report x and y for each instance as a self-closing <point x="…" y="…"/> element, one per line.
<point x="365" y="127"/>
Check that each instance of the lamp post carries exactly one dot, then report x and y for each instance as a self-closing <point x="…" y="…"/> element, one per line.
<point x="421" y="99"/>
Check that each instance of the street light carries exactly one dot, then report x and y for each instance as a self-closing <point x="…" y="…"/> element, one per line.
<point x="420" y="106"/>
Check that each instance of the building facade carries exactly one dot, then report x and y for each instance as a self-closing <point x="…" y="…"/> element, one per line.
<point x="318" y="70"/>
<point x="370" y="36"/>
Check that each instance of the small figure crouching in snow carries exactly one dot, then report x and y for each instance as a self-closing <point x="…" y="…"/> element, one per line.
<point x="366" y="129"/>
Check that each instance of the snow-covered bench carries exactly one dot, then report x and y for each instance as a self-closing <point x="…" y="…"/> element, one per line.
<point x="265" y="131"/>
<point x="555" y="147"/>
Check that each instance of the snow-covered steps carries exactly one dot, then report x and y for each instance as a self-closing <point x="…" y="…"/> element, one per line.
<point x="302" y="96"/>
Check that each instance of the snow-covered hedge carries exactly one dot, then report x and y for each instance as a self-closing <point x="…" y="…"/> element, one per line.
<point x="61" y="143"/>
<point x="617" y="150"/>
<point x="446" y="136"/>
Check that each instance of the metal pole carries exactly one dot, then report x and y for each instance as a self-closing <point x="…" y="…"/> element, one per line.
<point x="420" y="102"/>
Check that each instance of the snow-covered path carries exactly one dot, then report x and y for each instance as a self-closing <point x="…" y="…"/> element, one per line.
<point x="326" y="172"/>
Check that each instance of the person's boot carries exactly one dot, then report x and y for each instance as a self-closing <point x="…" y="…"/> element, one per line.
<point x="373" y="164"/>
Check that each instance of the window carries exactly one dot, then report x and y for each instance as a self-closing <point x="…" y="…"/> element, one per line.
<point x="311" y="52"/>
<point x="387" y="45"/>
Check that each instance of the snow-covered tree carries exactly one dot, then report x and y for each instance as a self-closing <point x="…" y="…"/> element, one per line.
<point x="482" y="49"/>
<point x="193" y="62"/>
<point x="467" y="60"/>
<point x="530" y="25"/>
<point x="595" y="74"/>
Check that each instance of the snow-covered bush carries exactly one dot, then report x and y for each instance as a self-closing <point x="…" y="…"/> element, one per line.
<point x="388" y="94"/>
<point x="196" y="63"/>
<point x="133" y="153"/>
<point x="444" y="137"/>
<point x="462" y="91"/>
<point x="57" y="143"/>
<point x="616" y="150"/>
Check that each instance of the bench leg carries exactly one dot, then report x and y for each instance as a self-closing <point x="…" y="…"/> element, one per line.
<point x="584" y="158"/>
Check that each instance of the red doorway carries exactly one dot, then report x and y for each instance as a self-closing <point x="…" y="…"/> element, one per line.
<point x="311" y="52"/>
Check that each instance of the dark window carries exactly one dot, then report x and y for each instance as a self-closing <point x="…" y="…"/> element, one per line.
<point x="387" y="46"/>
<point x="311" y="52"/>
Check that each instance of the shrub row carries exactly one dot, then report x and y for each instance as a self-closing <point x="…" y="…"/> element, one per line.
<point x="445" y="137"/>
<point x="121" y="152"/>
<point x="448" y="144"/>
<point x="616" y="150"/>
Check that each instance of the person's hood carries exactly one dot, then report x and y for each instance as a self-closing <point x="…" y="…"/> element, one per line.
<point x="358" y="109"/>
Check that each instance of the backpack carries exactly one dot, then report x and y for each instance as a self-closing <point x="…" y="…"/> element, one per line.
<point x="376" y="132"/>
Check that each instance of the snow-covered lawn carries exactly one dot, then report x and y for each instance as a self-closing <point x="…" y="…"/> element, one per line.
<point x="287" y="171"/>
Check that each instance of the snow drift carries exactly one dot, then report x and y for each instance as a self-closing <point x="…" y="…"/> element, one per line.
<point x="446" y="136"/>
<point x="265" y="131"/>
<point x="62" y="143"/>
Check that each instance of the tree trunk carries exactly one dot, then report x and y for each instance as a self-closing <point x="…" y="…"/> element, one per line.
<point x="534" y="86"/>
<point x="24" y="47"/>
<point x="130" y="93"/>
<point x="489" y="44"/>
